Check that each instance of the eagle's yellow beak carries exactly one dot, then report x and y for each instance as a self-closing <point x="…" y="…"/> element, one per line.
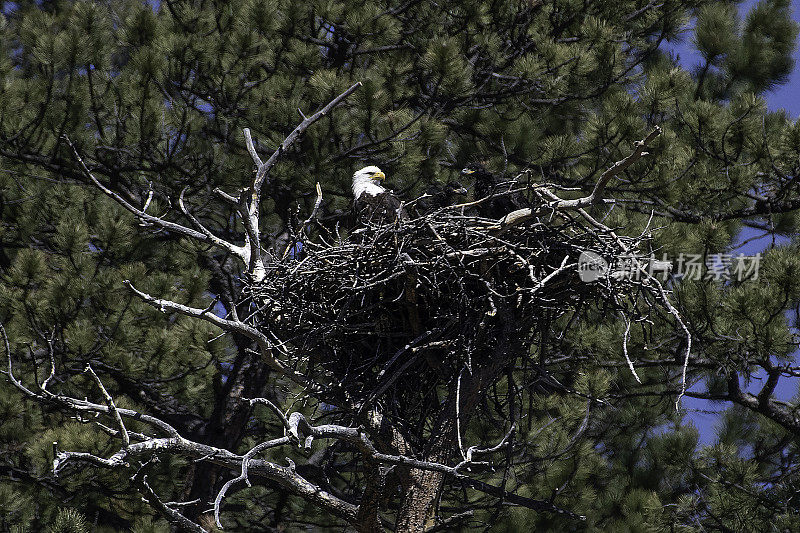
<point x="378" y="176"/>
<point x="467" y="171"/>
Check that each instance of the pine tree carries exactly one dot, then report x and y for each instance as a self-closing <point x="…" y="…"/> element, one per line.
<point x="154" y="99"/>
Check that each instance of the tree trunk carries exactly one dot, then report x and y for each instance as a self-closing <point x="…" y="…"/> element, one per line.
<point x="368" y="519"/>
<point x="418" y="503"/>
<point x="422" y="487"/>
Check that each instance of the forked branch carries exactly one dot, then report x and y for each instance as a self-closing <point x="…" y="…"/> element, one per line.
<point x="596" y="197"/>
<point x="247" y="204"/>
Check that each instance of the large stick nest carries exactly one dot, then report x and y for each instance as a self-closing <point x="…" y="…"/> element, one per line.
<point x="393" y="310"/>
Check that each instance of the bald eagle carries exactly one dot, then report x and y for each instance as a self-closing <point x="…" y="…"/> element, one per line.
<point x="372" y="202"/>
<point x="500" y="202"/>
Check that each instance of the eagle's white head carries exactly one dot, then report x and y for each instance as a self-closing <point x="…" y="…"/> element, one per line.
<point x="367" y="180"/>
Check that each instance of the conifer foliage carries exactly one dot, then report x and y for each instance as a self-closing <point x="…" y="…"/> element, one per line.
<point x="172" y="173"/>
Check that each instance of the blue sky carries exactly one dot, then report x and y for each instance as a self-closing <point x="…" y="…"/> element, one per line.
<point x="702" y="413"/>
<point x="786" y="96"/>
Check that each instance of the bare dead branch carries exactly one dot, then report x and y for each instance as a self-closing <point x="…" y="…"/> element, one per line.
<point x="596" y="197"/>
<point x="155" y="502"/>
<point x="274" y="408"/>
<point x="621" y="165"/>
<point x="249" y="201"/>
<point x="73" y="403"/>
<point x="112" y="408"/>
<point x="243" y="476"/>
<point x="264" y="344"/>
<point x="141" y="215"/>
<point x="263" y="168"/>
<point x="238" y="251"/>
